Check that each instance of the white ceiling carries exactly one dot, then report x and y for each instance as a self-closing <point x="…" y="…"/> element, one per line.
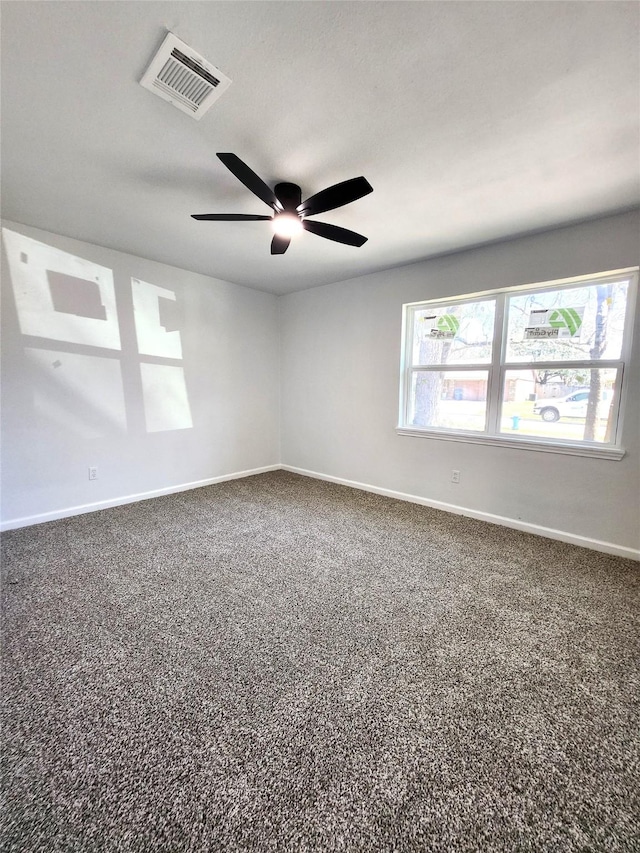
<point x="473" y="121"/>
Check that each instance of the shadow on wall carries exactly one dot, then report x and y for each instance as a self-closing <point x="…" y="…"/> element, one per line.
<point x="89" y="368"/>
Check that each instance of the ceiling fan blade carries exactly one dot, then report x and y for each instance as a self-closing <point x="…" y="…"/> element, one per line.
<point x="251" y="181"/>
<point x="228" y="217"/>
<point x="335" y="196"/>
<point x="279" y="245"/>
<point x="332" y="232"/>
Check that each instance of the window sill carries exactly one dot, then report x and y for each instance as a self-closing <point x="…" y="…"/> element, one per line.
<point x="520" y="443"/>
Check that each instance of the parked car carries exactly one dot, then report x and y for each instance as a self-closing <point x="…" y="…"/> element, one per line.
<point x="572" y="406"/>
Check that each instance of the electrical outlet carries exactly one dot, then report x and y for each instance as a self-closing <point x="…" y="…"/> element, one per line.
<point x="93" y="473"/>
<point x="455" y="476"/>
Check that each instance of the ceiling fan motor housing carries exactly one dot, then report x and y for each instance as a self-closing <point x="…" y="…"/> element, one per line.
<point x="289" y="196"/>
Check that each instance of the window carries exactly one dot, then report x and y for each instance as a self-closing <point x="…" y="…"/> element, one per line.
<point x="541" y="366"/>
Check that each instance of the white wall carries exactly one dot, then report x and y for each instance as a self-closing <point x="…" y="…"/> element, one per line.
<point x="77" y="393"/>
<point x="340" y="357"/>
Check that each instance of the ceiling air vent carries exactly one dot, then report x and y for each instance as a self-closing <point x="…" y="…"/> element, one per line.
<point x="182" y="77"/>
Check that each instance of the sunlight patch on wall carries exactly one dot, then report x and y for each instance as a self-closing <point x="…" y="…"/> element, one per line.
<point x="63" y="299"/>
<point x="81" y="393"/>
<point x="151" y="318"/>
<point x="60" y="296"/>
<point x="166" y="405"/>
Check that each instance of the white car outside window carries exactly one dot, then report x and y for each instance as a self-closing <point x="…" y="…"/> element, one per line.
<point x="572" y="406"/>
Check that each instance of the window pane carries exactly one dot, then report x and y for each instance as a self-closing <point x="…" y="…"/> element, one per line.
<point x="454" y="334"/>
<point x="567" y="325"/>
<point x="450" y="399"/>
<point x="558" y="407"/>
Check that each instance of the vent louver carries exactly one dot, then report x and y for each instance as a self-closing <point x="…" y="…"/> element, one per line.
<point x="179" y="75"/>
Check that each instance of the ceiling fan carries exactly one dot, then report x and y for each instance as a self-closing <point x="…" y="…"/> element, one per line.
<point x="289" y="211"/>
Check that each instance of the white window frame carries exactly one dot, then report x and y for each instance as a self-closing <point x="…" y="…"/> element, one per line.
<point x="498" y="367"/>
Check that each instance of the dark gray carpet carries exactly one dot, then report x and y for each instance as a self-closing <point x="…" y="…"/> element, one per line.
<point x="281" y="664"/>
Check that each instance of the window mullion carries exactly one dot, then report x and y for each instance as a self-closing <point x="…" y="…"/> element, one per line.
<point x="495" y="376"/>
<point x="562" y="365"/>
<point x="452" y="368"/>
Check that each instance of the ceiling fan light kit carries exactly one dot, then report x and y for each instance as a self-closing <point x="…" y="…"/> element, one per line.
<point x="287" y="224"/>
<point x="289" y="211"/>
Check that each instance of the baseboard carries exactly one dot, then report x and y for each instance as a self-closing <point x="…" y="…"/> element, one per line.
<point x="28" y="520"/>
<point x="504" y="521"/>
<point x="516" y="524"/>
